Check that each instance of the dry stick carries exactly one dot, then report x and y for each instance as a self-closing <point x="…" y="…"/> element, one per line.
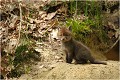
<point x="49" y="27"/>
<point x="117" y="41"/>
<point x="7" y="37"/>
<point x="20" y="24"/>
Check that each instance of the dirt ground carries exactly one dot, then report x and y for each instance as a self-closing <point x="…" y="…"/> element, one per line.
<point x="53" y="66"/>
<point x="66" y="71"/>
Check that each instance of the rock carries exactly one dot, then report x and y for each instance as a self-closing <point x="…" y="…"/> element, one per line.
<point x="57" y="57"/>
<point x="41" y="66"/>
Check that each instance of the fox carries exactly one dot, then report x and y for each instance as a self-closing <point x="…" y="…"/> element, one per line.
<point x="75" y="49"/>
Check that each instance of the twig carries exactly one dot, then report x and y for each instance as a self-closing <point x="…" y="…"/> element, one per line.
<point x="50" y="27"/>
<point x="20" y="24"/>
<point x="117" y="41"/>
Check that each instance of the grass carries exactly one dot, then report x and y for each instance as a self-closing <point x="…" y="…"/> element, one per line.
<point x="89" y="30"/>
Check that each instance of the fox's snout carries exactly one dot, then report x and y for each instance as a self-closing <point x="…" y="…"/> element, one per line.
<point x="63" y="38"/>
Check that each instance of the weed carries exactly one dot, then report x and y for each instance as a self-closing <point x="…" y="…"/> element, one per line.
<point x="79" y="27"/>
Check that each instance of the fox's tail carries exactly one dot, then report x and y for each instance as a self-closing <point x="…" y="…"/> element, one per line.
<point x="93" y="61"/>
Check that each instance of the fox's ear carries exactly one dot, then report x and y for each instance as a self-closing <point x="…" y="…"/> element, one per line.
<point x="70" y="28"/>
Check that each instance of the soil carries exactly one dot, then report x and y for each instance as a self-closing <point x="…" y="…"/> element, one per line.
<point x="53" y="66"/>
<point x="71" y="71"/>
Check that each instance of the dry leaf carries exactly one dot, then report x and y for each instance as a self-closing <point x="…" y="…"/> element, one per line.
<point x="13" y="21"/>
<point x="41" y="13"/>
<point x="43" y="16"/>
<point x="41" y="66"/>
<point x="38" y="50"/>
<point x="50" y="16"/>
<point x="54" y="34"/>
<point x="32" y="26"/>
<point x="12" y="44"/>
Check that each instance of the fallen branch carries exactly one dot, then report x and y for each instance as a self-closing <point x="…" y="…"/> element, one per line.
<point x="20" y="24"/>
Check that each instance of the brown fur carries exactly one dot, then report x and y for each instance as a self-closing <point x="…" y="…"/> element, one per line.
<point x="76" y="50"/>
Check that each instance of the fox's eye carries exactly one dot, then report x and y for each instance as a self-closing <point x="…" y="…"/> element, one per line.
<point x="67" y="35"/>
<point x="60" y="35"/>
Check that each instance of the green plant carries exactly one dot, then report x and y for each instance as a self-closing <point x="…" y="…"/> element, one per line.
<point x="79" y="26"/>
<point x="80" y="29"/>
<point x="25" y="54"/>
<point x="72" y="6"/>
<point x="89" y="31"/>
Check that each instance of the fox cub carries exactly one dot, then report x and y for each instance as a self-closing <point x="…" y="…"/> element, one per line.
<point x="75" y="50"/>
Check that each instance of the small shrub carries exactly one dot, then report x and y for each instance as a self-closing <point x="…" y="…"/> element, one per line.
<point x="88" y="31"/>
<point x="24" y="55"/>
<point x="80" y="29"/>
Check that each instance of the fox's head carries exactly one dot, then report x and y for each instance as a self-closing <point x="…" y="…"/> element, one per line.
<point x="65" y="34"/>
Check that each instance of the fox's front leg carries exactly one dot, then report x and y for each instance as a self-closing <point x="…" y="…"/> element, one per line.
<point x="69" y="57"/>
